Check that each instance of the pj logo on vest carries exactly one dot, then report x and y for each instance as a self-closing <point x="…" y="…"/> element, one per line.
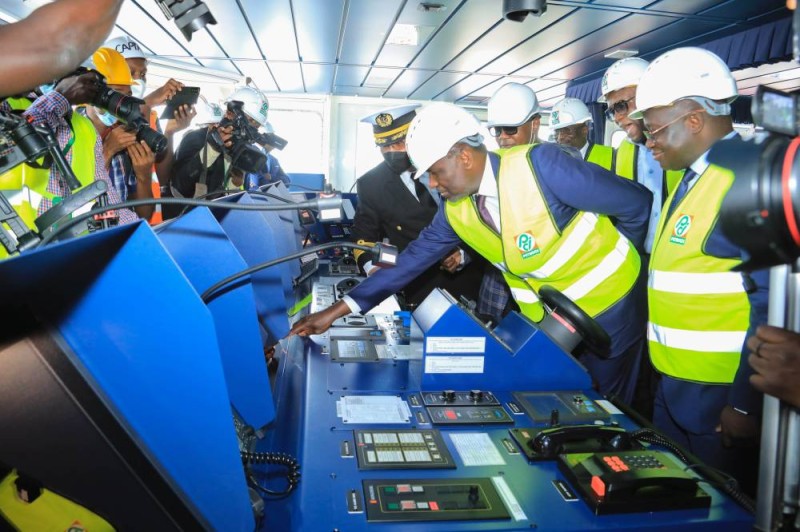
<point x="527" y="245"/>
<point x="680" y="229"/>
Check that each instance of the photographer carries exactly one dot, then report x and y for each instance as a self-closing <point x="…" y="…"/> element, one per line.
<point x="137" y="62"/>
<point x="129" y="161"/>
<point x="76" y="137"/>
<point x="206" y="160"/>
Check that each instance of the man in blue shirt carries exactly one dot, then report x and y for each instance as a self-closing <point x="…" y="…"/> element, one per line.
<point x="444" y="139"/>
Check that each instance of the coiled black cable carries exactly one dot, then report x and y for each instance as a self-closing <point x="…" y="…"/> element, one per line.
<point x="726" y="483"/>
<point x="280" y="459"/>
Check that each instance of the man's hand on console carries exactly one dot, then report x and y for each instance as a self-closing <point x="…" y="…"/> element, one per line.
<point x="319" y="322"/>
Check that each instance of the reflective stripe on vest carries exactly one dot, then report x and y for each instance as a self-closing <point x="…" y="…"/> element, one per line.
<point x="600" y="155"/>
<point x="699" y="310"/>
<point x="627" y="165"/>
<point x="589" y="260"/>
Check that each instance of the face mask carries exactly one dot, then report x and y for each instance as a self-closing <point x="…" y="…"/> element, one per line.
<point x="398" y="161"/>
<point x="105" y="117"/>
<point x="47" y="88"/>
<point x="138" y="88"/>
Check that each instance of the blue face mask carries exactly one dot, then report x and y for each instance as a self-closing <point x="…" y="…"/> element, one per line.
<point x="47" y="88"/>
<point x="138" y="88"/>
<point x="105" y="117"/>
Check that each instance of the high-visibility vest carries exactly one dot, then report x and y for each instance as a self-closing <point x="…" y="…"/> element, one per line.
<point x="602" y="156"/>
<point x="25" y="186"/>
<point x="626" y="165"/>
<point x="589" y="261"/>
<point x="699" y="310"/>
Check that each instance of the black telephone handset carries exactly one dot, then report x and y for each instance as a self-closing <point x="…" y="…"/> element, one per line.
<point x="549" y="443"/>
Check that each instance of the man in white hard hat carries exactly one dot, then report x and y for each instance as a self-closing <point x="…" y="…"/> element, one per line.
<point x="700" y="311"/>
<point x="547" y="223"/>
<point x="570" y="119"/>
<point x="393" y="205"/>
<point x="203" y="165"/>
<point x="633" y="159"/>
<point x="137" y="60"/>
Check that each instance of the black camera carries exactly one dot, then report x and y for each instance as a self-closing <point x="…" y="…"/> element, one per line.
<point x="126" y="108"/>
<point x="760" y="211"/>
<point x="243" y="155"/>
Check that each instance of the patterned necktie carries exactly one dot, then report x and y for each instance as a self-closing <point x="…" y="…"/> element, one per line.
<point x="423" y="194"/>
<point x="480" y="201"/>
<point x="683" y="188"/>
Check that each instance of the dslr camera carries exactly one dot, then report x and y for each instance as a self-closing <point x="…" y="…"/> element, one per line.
<point x="243" y="155"/>
<point x="126" y="108"/>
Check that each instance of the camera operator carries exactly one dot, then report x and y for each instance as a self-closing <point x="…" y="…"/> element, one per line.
<point x="272" y="172"/>
<point x="203" y="161"/>
<point x="52" y="41"/>
<point x="129" y="161"/>
<point x="78" y="140"/>
<point x="137" y="63"/>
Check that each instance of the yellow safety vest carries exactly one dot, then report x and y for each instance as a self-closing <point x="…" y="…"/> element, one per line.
<point x="626" y="165"/>
<point x="602" y="156"/>
<point x="699" y="310"/>
<point x="25" y="186"/>
<point x="589" y="261"/>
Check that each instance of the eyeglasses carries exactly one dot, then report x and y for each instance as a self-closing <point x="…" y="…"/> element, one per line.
<point x="496" y="131"/>
<point x="653" y="134"/>
<point x="618" y="107"/>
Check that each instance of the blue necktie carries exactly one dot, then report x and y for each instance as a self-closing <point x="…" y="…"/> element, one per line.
<point x="683" y="188"/>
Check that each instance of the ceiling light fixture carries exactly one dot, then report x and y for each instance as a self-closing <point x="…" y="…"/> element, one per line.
<point x="621" y="54"/>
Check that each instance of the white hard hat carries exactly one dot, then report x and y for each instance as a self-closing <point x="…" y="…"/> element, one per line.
<point x="256" y="105"/>
<point x="567" y="112"/>
<point x="512" y="104"/>
<point x="686" y="73"/>
<point x="624" y="73"/>
<point x="208" y="112"/>
<point x="127" y="46"/>
<point x="435" y="129"/>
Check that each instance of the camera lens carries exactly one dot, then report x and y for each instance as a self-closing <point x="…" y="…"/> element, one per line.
<point x="154" y="139"/>
<point x="760" y="211"/>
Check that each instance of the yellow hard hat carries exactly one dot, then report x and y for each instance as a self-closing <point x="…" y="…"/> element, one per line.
<point x="112" y="65"/>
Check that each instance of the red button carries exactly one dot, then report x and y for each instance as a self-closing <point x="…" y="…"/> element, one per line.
<point x="434" y="505"/>
<point x="598" y="486"/>
<point x="450" y="414"/>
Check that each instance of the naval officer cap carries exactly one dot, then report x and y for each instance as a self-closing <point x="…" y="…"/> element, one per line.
<point x="390" y="125"/>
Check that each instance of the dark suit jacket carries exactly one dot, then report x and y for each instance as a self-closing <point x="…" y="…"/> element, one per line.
<point x="387" y="209"/>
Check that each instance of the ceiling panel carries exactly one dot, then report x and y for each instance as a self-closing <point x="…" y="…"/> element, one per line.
<point x="318" y="26"/>
<point x="466" y="50"/>
<point x="569" y="29"/>
<point x="466" y="87"/>
<point x="436" y="85"/>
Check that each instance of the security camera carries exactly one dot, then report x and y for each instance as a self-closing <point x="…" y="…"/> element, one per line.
<point x="517" y="10"/>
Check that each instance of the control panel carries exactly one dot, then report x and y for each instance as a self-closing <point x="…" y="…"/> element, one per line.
<point x="402" y="449"/>
<point x="459" y="398"/>
<point x="468" y="415"/>
<point x="568" y="407"/>
<point x="433" y="500"/>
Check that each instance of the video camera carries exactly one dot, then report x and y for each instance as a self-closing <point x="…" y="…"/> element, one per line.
<point x="760" y="211"/>
<point x="243" y="155"/>
<point x="126" y="108"/>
